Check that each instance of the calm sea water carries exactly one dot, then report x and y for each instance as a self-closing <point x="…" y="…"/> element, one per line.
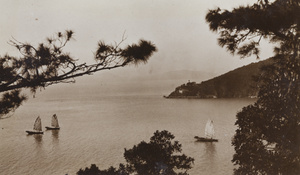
<point x="95" y="129"/>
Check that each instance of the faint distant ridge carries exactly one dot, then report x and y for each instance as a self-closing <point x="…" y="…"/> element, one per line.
<point x="238" y="83"/>
<point x="174" y="75"/>
<point x="183" y="74"/>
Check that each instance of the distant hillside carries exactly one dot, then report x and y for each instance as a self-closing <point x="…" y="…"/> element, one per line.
<point x="238" y="83"/>
<point x="182" y="75"/>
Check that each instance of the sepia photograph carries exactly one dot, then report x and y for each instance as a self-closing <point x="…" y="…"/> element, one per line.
<point x="149" y="87"/>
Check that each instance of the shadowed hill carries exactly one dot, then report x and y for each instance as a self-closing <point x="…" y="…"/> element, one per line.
<point x="238" y="83"/>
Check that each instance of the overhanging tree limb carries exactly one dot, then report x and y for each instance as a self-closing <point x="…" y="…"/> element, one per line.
<point x="47" y="64"/>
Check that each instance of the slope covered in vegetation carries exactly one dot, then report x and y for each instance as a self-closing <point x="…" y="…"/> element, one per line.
<point x="239" y="83"/>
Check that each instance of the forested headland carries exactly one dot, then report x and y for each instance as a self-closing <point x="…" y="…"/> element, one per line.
<point x="239" y="83"/>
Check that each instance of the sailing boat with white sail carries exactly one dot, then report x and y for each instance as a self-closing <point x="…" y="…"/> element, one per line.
<point x="37" y="127"/>
<point x="209" y="133"/>
<point x="54" y="123"/>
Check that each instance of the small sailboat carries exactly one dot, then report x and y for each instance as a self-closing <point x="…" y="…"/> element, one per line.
<point x="209" y="133"/>
<point x="54" y="123"/>
<point x="37" y="127"/>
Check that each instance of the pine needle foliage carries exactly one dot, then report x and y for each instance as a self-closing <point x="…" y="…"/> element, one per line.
<point x="267" y="140"/>
<point x="47" y="64"/>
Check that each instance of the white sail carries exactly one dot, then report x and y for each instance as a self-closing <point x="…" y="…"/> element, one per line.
<point x="209" y="129"/>
<point x="37" y="124"/>
<point x="54" y="121"/>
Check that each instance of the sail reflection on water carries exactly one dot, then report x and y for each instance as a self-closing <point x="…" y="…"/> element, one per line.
<point x="55" y="134"/>
<point x="38" y="138"/>
<point x="210" y="149"/>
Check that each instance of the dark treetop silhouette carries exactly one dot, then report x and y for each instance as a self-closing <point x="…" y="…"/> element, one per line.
<point x="47" y="64"/>
<point x="267" y="140"/>
<point x="160" y="156"/>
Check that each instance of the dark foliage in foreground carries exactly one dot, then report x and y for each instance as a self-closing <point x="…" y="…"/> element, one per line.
<point x="160" y="156"/>
<point x="94" y="170"/>
<point x="267" y="140"/>
<point x="47" y="64"/>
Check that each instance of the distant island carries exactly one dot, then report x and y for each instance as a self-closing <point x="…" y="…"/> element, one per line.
<point x="238" y="83"/>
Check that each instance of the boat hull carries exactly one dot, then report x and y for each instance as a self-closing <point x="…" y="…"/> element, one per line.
<point x="34" y="132"/>
<point x="203" y="139"/>
<point x="51" y="128"/>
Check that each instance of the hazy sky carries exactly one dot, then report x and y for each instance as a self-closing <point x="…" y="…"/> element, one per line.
<point x="176" y="27"/>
